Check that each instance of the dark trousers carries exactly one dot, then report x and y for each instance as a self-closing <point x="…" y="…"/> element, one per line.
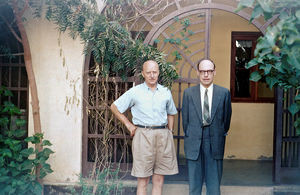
<point x="205" y="168"/>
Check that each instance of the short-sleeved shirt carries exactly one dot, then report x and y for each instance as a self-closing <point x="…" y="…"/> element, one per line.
<point x="147" y="107"/>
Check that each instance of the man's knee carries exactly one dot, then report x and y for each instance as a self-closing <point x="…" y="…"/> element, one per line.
<point x="143" y="181"/>
<point x="158" y="180"/>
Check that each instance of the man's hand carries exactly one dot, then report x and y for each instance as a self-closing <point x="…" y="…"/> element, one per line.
<point x="131" y="129"/>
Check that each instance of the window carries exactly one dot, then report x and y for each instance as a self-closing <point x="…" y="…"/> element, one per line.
<point x="13" y="73"/>
<point x="242" y="89"/>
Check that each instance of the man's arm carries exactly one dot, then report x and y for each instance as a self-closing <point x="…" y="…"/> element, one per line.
<point x="171" y="119"/>
<point x="131" y="127"/>
<point x="185" y="112"/>
<point x="227" y="111"/>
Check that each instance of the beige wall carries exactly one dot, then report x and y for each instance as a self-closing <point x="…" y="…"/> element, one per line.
<point x="61" y="122"/>
<point x="251" y="132"/>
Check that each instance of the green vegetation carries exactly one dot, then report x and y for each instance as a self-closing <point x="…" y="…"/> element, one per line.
<point x="111" y="45"/>
<point x="277" y="52"/>
<point x="18" y="162"/>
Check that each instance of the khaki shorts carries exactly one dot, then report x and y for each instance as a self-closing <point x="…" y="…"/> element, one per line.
<point x="153" y="152"/>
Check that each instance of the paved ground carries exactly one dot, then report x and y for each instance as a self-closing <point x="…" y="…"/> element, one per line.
<point x="240" y="177"/>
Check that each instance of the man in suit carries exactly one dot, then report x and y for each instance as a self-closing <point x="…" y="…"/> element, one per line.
<point x="206" y="114"/>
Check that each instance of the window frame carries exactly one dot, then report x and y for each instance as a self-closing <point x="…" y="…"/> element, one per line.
<point x="252" y="36"/>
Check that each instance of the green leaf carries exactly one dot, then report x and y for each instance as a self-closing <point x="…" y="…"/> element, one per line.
<point x="27" y="152"/>
<point x="294" y="108"/>
<point x="294" y="58"/>
<point x="6" y="152"/>
<point x="4" y="121"/>
<point x="297" y="126"/>
<point x="8" y="93"/>
<point x="267" y="69"/>
<point x="190" y="32"/>
<point x="29" y="139"/>
<point x="271" y="81"/>
<point x="46" y="143"/>
<point x="297" y="98"/>
<point x="257" y="11"/>
<point x="251" y="63"/>
<point x="298" y="14"/>
<point x="255" y="76"/>
<point x="265" y="5"/>
<point x="19" y="133"/>
<point x="243" y="4"/>
<point x="4" y="178"/>
<point x="292" y="38"/>
<point x="20" y="122"/>
<point x="47" y="152"/>
<point x="298" y="131"/>
<point x="265" y="51"/>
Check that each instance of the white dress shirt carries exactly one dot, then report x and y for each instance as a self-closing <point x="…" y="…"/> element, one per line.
<point x="209" y="94"/>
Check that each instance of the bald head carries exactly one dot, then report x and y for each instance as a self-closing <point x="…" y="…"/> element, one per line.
<point x="150" y="73"/>
<point x="149" y="63"/>
<point x="206" y="61"/>
<point x="206" y="72"/>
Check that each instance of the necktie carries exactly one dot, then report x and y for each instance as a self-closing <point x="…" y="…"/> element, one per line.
<point x="206" y="117"/>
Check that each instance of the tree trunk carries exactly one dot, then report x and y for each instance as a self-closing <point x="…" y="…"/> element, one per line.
<point x="31" y="78"/>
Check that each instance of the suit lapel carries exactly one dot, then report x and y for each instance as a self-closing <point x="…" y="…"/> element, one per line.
<point x="215" y="101"/>
<point x="197" y="100"/>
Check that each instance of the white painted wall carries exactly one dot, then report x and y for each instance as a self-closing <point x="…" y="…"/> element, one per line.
<point x="58" y="64"/>
<point x="61" y="122"/>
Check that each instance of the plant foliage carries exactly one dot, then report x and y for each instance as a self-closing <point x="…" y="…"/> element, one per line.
<point x="102" y="184"/>
<point x="111" y="45"/>
<point x="17" y="161"/>
<point x="277" y="52"/>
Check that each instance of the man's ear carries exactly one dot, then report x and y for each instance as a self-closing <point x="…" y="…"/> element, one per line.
<point x="143" y="74"/>
<point x="215" y="72"/>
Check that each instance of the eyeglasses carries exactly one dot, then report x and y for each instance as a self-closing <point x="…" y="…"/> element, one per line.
<point x="209" y="72"/>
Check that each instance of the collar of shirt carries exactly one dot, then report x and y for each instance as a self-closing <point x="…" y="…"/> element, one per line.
<point x="158" y="86"/>
<point x="202" y="88"/>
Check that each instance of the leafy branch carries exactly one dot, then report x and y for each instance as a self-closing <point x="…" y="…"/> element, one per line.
<point x="277" y="52"/>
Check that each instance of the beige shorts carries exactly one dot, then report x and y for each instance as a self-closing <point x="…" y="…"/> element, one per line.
<point x="153" y="152"/>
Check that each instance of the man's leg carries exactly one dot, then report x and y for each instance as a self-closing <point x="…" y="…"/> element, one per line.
<point x="196" y="175"/>
<point x="213" y="167"/>
<point x="157" y="184"/>
<point x="142" y="185"/>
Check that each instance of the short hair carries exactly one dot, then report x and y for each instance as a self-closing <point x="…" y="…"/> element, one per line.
<point x="208" y="60"/>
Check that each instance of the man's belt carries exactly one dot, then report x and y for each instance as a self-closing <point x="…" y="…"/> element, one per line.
<point x="152" y="127"/>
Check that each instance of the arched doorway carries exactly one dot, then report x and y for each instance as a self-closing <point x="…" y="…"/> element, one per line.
<point x="182" y="29"/>
<point x="186" y="32"/>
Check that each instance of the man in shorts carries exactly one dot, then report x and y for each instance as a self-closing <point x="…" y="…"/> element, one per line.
<point x="153" y="113"/>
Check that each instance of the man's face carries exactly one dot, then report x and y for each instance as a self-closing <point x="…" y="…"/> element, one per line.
<point x="150" y="73"/>
<point x="206" y="73"/>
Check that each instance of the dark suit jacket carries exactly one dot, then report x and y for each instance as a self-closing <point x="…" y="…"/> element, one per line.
<point x="192" y="121"/>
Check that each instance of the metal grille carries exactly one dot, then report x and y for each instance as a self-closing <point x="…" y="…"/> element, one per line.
<point x="13" y="76"/>
<point x="104" y="137"/>
<point x="183" y="35"/>
<point x="286" y="142"/>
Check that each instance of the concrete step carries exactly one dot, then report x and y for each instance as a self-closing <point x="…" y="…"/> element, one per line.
<point x="182" y="188"/>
